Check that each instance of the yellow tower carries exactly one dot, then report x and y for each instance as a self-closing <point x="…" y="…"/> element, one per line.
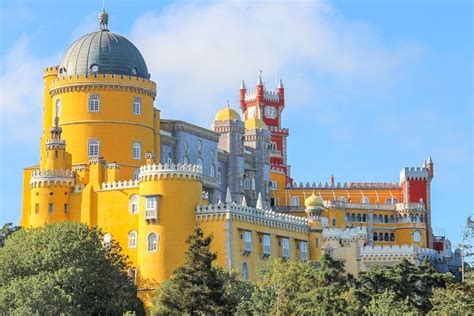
<point x="313" y="209"/>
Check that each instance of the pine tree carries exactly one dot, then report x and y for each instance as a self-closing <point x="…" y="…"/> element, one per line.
<point x="195" y="287"/>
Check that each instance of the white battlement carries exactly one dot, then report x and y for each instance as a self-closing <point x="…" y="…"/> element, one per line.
<point x="348" y="233"/>
<point x="410" y="207"/>
<point x="42" y="178"/>
<point x="107" y="186"/>
<point x="413" y="173"/>
<point x="265" y="217"/>
<point x="396" y="252"/>
<point x="159" y="171"/>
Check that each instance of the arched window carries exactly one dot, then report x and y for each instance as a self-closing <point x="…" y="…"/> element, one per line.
<point x="185" y="160"/>
<point x="365" y="200"/>
<point x="295" y="201"/>
<point x="364" y="218"/>
<point x="212" y="172"/>
<point x="388" y="201"/>
<point x="169" y="161"/>
<point x="252" y="183"/>
<point x="348" y="217"/>
<point x="94" y="103"/>
<point x="385" y="219"/>
<point x="152" y="242"/>
<point x="137" y="150"/>
<point x="199" y="145"/>
<point x="93" y="148"/>
<point x="333" y="222"/>
<point x="133" y="204"/>
<point x="246" y="183"/>
<point x="422" y="219"/>
<point x="392" y="237"/>
<point x="386" y="238"/>
<point x="136" y="174"/>
<point x="132" y="239"/>
<point x="359" y="218"/>
<point x="416" y="236"/>
<point x="353" y="217"/>
<point x="137" y="105"/>
<point x="375" y="237"/>
<point x="107" y="239"/>
<point x="58" y="108"/>
<point x="245" y="271"/>
<point x="200" y="164"/>
<point x="394" y="201"/>
<point x="341" y="199"/>
<point x="213" y="154"/>
<point x="380" y="236"/>
<point x="219" y="176"/>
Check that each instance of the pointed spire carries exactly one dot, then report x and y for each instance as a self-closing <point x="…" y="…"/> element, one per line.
<point x="430" y="160"/>
<point x="260" y="83"/>
<point x="228" y="196"/>
<point x="259" y="201"/>
<point x="242" y="86"/>
<point x="280" y="84"/>
<point x="244" y="201"/>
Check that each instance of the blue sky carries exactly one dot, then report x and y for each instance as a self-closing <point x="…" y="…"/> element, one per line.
<point x="371" y="86"/>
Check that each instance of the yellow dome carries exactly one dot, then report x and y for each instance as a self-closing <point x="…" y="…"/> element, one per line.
<point x="227" y="114"/>
<point x="253" y="123"/>
<point x="313" y="202"/>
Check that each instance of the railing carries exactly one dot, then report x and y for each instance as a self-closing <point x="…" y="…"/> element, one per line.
<point x="210" y="182"/>
<point x="151" y="214"/>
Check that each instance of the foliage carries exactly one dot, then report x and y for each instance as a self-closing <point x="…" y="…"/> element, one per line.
<point x="404" y="281"/>
<point x="6" y="231"/>
<point x="387" y="303"/>
<point x="467" y="244"/>
<point x="455" y="299"/>
<point x="64" y="268"/>
<point x="198" y="287"/>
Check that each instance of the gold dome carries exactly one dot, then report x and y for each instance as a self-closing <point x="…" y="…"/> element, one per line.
<point x="313" y="202"/>
<point x="227" y="114"/>
<point x="253" y="123"/>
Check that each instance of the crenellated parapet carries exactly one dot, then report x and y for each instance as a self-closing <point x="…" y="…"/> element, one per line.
<point x="268" y="96"/>
<point x="251" y="215"/>
<point x="64" y="84"/>
<point x="119" y="185"/>
<point x="52" y="144"/>
<point x="48" y="178"/>
<point x="348" y="234"/>
<point x="170" y="171"/>
<point x="396" y="253"/>
<point x="410" y="207"/>
<point x="414" y="173"/>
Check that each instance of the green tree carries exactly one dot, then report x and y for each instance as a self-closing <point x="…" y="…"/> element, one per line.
<point x="64" y="268"/>
<point x="198" y="287"/>
<point x="455" y="299"/>
<point x="386" y="303"/>
<point x="6" y="231"/>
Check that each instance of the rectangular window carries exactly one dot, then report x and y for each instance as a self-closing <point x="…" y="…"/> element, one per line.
<point x="66" y="208"/>
<point x="267" y="247"/>
<point x="247" y="241"/>
<point x="137" y="105"/>
<point x="50" y="208"/>
<point x="93" y="149"/>
<point x="303" y="250"/>
<point x="37" y="208"/>
<point x="285" y="247"/>
<point x="151" y="207"/>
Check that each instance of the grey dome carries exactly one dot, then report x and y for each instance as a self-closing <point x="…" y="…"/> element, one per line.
<point x="103" y="52"/>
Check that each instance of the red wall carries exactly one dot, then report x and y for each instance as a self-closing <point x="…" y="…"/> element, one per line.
<point x="418" y="190"/>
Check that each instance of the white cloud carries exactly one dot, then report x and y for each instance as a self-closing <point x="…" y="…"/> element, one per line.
<point x="21" y="97"/>
<point x="198" y="52"/>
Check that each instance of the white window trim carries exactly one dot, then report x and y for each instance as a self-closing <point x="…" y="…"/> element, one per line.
<point x="247" y="240"/>
<point x="148" y="242"/>
<point x="139" y="99"/>
<point x="151" y="210"/>
<point x="267" y="244"/>
<point x="139" y="156"/>
<point x="285" y="247"/>
<point x="89" y="108"/>
<point x="57" y="107"/>
<point x="132" y="202"/>
<point x="134" y="239"/>
<point x="293" y="199"/>
<point x="89" y="146"/>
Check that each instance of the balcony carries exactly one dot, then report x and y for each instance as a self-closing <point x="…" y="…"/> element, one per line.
<point x="151" y="214"/>
<point x="210" y="182"/>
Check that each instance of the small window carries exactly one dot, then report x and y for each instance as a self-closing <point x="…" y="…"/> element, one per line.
<point x="365" y="200"/>
<point x="245" y="271"/>
<point x="394" y="201"/>
<point x="334" y="222"/>
<point x="66" y="208"/>
<point x="136" y="174"/>
<point x="285" y="247"/>
<point x="388" y="201"/>
<point x="137" y="105"/>
<point x="152" y="242"/>
<point x="246" y="183"/>
<point x="37" y="208"/>
<point x="416" y="236"/>
<point x="50" y="208"/>
<point x="170" y="159"/>
<point x="267" y="248"/>
<point x="303" y="250"/>
<point x="93" y="148"/>
<point x="132" y="239"/>
<point x="94" y="103"/>
<point x="317" y="243"/>
<point x="107" y="239"/>
<point x="219" y="177"/>
<point x="137" y="150"/>
<point x="213" y="154"/>
<point x="392" y="237"/>
<point x="151" y="207"/>
<point x="252" y="184"/>
<point x="380" y="236"/>
<point x="94" y="68"/>
<point x="277" y="201"/>
<point x="273" y="185"/>
<point x="133" y="206"/>
<point x="247" y="241"/>
<point x="200" y="164"/>
<point x="295" y="201"/>
<point x="341" y="199"/>
<point x="212" y="172"/>
<point x="376" y="237"/>
<point x="58" y="108"/>
<point x="386" y="237"/>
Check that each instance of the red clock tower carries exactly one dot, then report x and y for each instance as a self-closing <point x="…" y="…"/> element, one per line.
<point x="268" y="105"/>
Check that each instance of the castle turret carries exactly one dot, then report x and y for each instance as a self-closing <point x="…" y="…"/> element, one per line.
<point x="231" y="140"/>
<point x="313" y="208"/>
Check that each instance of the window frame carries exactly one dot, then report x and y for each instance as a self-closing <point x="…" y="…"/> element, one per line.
<point x="153" y="243"/>
<point x="285" y="251"/>
<point x="137" y="104"/>
<point x="133" y="203"/>
<point x="132" y="239"/>
<point x="57" y="107"/>
<point x="93" y="108"/>
<point x="136" y="150"/>
<point x="89" y="143"/>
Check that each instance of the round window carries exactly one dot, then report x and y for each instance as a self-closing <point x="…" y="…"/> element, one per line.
<point x="95" y="68"/>
<point x="416" y="236"/>
<point x="134" y="71"/>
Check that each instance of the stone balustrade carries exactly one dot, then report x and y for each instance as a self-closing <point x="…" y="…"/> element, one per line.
<point x="42" y="178"/>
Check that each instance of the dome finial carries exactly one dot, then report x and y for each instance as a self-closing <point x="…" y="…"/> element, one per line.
<point x="103" y="19"/>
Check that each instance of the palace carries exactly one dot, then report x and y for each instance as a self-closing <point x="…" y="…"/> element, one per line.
<point x="107" y="159"/>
